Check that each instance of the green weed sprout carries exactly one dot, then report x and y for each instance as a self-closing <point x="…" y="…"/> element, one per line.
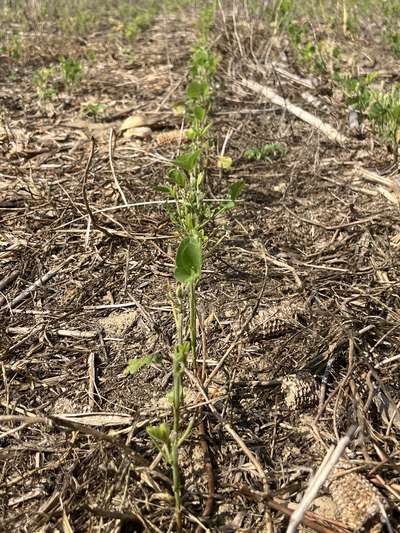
<point x="43" y="82"/>
<point x="282" y="13"/>
<point x="15" y="48"/>
<point x="11" y="46"/>
<point x="393" y="40"/>
<point x="93" y="109"/>
<point x="206" y="21"/>
<point x="137" y="21"/>
<point x="83" y="22"/>
<point x="265" y="152"/>
<point x="384" y="112"/>
<point x="357" y="91"/>
<point x="71" y="71"/>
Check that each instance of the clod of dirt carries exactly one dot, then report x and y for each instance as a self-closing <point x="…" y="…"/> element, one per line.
<point x="325" y="507"/>
<point x="117" y="323"/>
<point x="142" y="133"/>
<point x="134" y="121"/>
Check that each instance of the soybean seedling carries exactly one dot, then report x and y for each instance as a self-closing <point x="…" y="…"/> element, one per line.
<point x="393" y="40"/>
<point x="265" y="152"/>
<point x="357" y="90"/>
<point x="384" y="112"/>
<point x="93" y="109"/>
<point x="188" y="266"/>
<point x="43" y="81"/>
<point x="71" y="71"/>
<point x="190" y="213"/>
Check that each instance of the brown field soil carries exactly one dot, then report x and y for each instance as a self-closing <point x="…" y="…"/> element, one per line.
<point x="304" y="281"/>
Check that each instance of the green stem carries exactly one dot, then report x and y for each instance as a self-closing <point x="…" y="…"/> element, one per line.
<point x="176" y="483"/>
<point x="178" y="393"/>
<point x="177" y="400"/>
<point x="192" y="323"/>
<point x="179" y="316"/>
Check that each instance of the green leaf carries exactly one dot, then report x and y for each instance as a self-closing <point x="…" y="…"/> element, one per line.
<point x="224" y="162"/>
<point x="139" y="362"/>
<point x="163" y="188"/>
<point x="199" y="113"/>
<point x="235" y="189"/>
<point x="159" y="433"/>
<point x="226" y="205"/>
<point x="197" y="90"/>
<point x="181" y="352"/>
<point x="251" y="153"/>
<point x="177" y="176"/>
<point x="191" y="134"/>
<point x="188" y="160"/>
<point x="170" y="396"/>
<point x="188" y="260"/>
<point x="179" y="109"/>
<point x="200" y="179"/>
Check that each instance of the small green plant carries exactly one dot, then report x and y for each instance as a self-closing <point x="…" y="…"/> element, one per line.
<point x="83" y="22"/>
<point x="138" y="21"/>
<point x="11" y="45"/>
<point x="188" y="266"/>
<point x="307" y="52"/>
<point x="203" y="64"/>
<point x="12" y="76"/>
<point x="390" y="10"/>
<point x="265" y="152"/>
<point x="319" y="56"/>
<point x="93" y="109"/>
<point x="296" y="34"/>
<point x="393" y="40"/>
<point x="282" y="13"/>
<point x="71" y="71"/>
<point x="134" y="365"/>
<point x="384" y="113"/>
<point x="357" y="90"/>
<point x="43" y="81"/>
<point x="206" y="21"/>
<point x="15" y="47"/>
<point x="191" y="214"/>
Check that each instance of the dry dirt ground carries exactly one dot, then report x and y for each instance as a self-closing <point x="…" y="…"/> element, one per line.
<point x="309" y="262"/>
